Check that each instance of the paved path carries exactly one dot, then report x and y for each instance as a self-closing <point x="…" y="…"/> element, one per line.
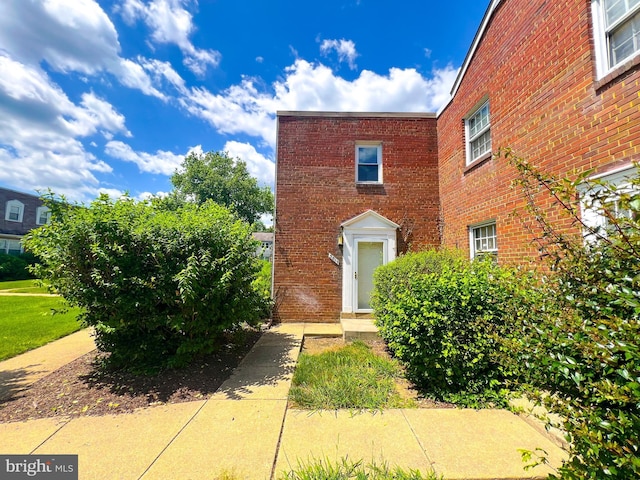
<point x="245" y="430"/>
<point x="19" y="372"/>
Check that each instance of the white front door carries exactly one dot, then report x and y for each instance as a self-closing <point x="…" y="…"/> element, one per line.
<point x="370" y="254"/>
<point x="369" y="240"/>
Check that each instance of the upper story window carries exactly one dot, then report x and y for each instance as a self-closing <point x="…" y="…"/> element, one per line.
<point x="478" y="133"/>
<point x="14" y="211"/>
<point x="617" y="32"/>
<point x="43" y="215"/>
<point x="483" y="240"/>
<point x="369" y="163"/>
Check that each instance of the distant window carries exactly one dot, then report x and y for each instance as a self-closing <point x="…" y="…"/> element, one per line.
<point x="12" y="247"/>
<point x="15" y="210"/>
<point x="617" y="32"/>
<point x="43" y="215"/>
<point x="483" y="240"/>
<point x="369" y="163"/>
<point x="478" y="133"/>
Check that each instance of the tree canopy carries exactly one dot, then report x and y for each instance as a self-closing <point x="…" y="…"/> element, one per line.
<point x="225" y="180"/>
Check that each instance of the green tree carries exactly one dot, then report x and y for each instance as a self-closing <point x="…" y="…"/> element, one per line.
<point x="159" y="285"/>
<point x="218" y="177"/>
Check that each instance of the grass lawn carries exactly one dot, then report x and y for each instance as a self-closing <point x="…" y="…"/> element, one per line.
<point x="350" y="377"/>
<point x="28" y="322"/>
<point x="22" y="286"/>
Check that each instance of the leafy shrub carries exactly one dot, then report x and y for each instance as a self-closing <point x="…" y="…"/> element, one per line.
<point x="582" y="343"/>
<point x="443" y="316"/>
<point x="159" y="285"/>
<point x="262" y="285"/>
<point x="15" y="267"/>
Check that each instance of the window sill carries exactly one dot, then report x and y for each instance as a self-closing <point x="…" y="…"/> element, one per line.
<point x="617" y="72"/>
<point x="477" y="162"/>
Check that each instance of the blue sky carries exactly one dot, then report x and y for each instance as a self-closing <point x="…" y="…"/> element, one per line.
<point x="110" y="95"/>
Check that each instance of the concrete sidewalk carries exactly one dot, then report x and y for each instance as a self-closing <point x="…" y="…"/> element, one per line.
<point x="246" y="431"/>
<point x="19" y="372"/>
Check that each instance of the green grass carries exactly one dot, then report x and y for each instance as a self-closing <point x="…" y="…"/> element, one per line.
<point x="348" y="470"/>
<point x="28" y="322"/>
<point x="351" y="377"/>
<point x="22" y="286"/>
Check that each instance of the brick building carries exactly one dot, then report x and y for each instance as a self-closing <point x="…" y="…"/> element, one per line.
<point x="558" y="82"/>
<point x="19" y="213"/>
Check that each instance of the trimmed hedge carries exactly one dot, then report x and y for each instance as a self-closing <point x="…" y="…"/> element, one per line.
<point x="443" y="316"/>
<point x="15" y="267"/>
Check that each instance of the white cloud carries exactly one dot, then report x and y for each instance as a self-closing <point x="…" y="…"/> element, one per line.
<point x="70" y="36"/>
<point x="41" y="131"/>
<point x="243" y="108"/>
<point x="162" y="162"/>
<point x="148" y="195"/>
<point x="258" y="165"/>
<point x="346" y="50"/>
<point x="171" y="23"/>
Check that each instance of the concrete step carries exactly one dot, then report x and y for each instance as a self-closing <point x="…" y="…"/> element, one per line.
<point x="359" y="329"/>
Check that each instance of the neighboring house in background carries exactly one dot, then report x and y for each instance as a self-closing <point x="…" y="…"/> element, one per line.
<point x="265" y="250"/>
<point x="558" y="82"/>
<point x="19" y="213"/>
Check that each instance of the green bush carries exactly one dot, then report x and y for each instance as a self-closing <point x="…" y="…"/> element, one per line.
<point x="262" y="285"/>
<point x="159" y="285"/>
<point x="443" y="316"/>
<point x="15" y="267"/>
<point x="581" y="345"/>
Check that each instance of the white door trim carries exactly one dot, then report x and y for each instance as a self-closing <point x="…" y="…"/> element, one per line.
<point x="369" y="227"/>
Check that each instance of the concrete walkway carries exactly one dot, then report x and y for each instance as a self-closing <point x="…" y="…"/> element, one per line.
<point x="245" y="431"/>
<point x="19" y="372"/>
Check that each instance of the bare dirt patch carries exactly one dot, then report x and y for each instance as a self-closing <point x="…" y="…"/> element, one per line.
<point x="83" y="388"/>
<point x="314" y="345"/>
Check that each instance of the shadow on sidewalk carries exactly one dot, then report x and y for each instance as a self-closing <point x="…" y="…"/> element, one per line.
<point x="266" y="372"/>
<point x="13" y="382"/>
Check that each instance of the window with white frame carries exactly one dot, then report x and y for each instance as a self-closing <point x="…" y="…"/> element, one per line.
<point x="14" y="211"/>
<point x="478" y="133"/>
<point x="617" y="32"/>
<point x="12" y="247"/>
<point x="43" y="215"/>
<point x="600" y="204"/>
<point x="369" y="163"/>
<point x="483" y="240"/>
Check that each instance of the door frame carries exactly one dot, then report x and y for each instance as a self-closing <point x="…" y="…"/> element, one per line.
<point x="368" y="227"/>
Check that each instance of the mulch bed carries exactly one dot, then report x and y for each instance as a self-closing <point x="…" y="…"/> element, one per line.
<point x="83" y="388"/>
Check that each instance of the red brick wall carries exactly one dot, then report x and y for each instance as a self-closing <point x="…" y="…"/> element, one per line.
<point x="316" y="192"/>
<point x="536" y="64"/>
